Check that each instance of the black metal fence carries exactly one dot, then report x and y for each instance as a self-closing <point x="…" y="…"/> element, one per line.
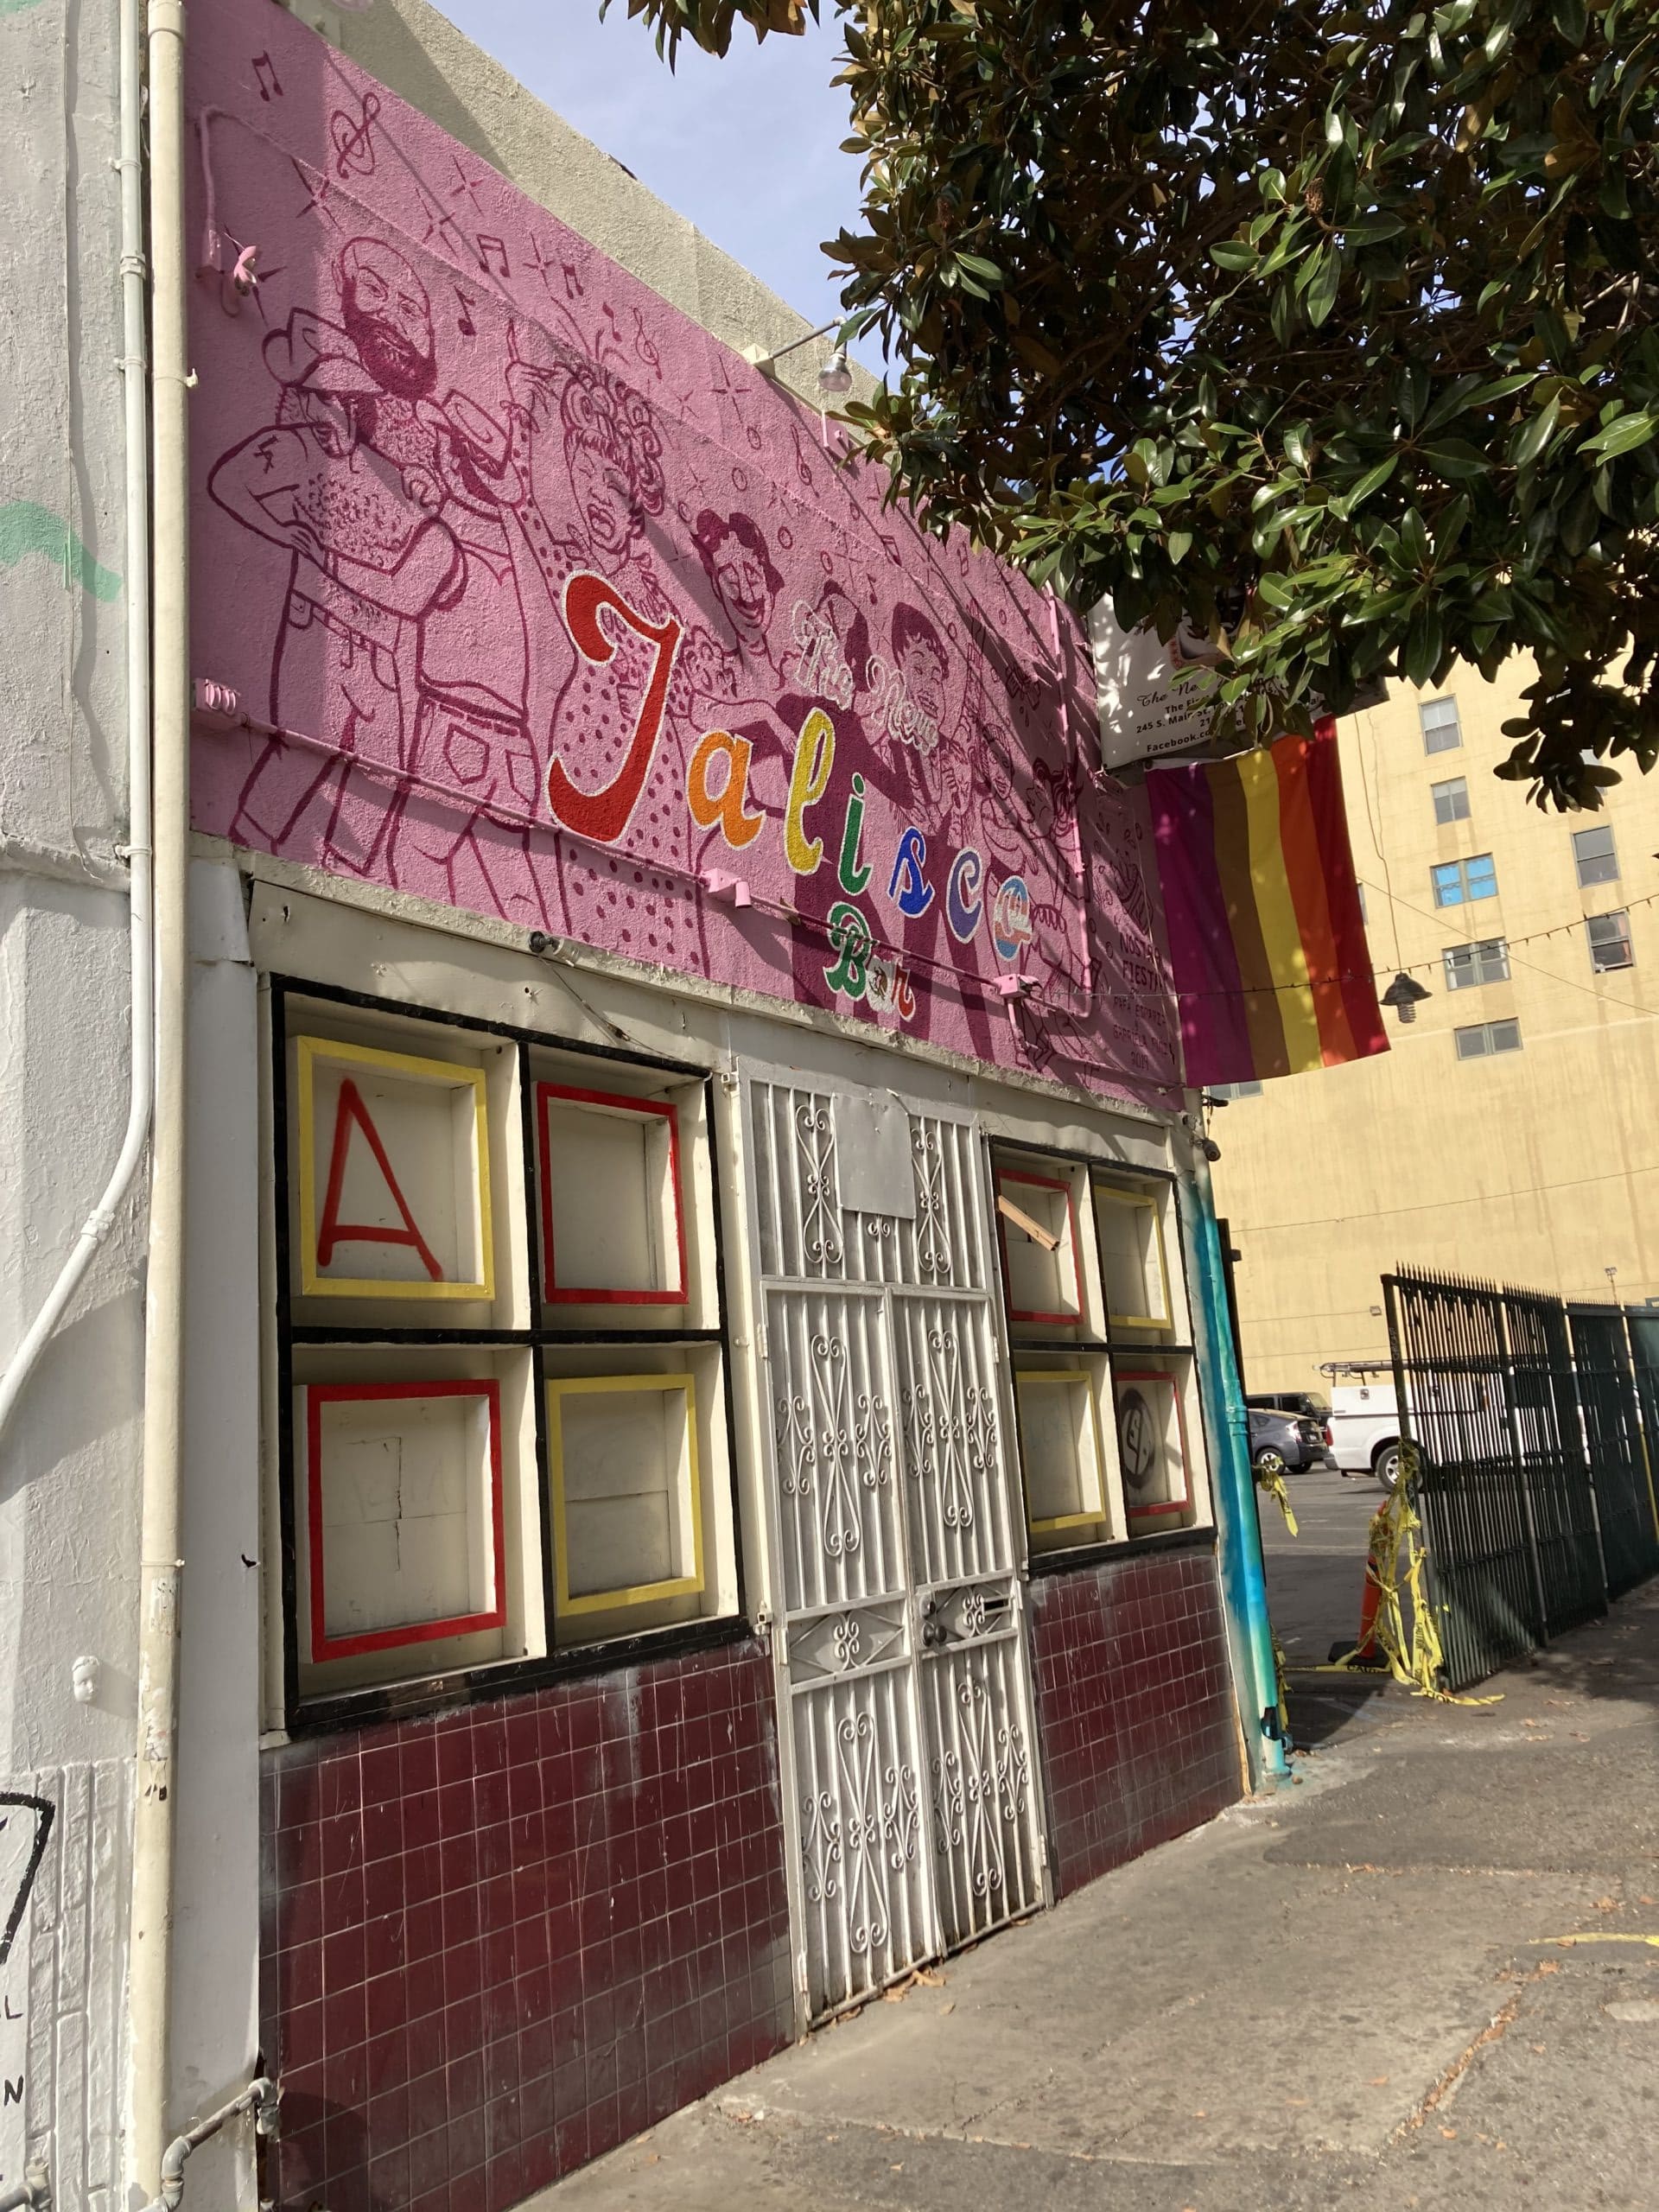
<point x="1536" y="1426"/>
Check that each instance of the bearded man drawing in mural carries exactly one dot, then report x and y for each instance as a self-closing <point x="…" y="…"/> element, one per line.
<point x="402" y="642"/>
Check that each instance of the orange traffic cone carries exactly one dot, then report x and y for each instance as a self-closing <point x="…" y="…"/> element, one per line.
<point x="1365" y="1652"/>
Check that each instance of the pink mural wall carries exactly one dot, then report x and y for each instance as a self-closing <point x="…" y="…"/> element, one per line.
<point x="523" y="594"/>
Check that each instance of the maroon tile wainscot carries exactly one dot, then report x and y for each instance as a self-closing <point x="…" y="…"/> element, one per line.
<point x="497" y="1941"/>
<point x="1133" y="1706"/>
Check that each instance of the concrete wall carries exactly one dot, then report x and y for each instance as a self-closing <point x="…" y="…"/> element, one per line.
<point x="68" y="1465"/>
<point x="1540" y="1165"/>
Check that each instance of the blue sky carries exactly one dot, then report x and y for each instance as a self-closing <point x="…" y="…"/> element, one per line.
<point x="749" y="147"/>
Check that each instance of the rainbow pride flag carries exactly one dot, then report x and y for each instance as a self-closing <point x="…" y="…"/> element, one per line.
<point x="1272" y="972"/>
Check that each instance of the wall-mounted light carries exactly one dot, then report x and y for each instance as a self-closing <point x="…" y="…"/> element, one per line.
<point x="835" y="376"/>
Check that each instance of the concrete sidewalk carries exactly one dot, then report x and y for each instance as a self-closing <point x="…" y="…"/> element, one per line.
<point x="1350" y="1994"/>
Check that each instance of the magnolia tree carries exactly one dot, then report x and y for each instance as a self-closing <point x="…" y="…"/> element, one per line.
<point x="1328" y="329"/>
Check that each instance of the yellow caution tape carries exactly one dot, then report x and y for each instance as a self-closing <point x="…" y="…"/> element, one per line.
<point x="1395" y="1565"/>
<point x="1274" y="1486"/>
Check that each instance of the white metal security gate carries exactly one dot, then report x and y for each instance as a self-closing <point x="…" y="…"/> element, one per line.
<point x="915" y="1798"/>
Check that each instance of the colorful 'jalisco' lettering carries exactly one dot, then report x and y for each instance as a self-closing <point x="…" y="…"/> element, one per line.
<point x="858" y="970"/>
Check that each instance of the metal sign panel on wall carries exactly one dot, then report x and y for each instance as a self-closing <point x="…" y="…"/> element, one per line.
<point x="915" y="1799"/>
<point x="1147" y="712"/>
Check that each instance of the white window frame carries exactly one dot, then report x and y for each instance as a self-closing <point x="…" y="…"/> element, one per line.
<point x="1476" y="964"/>
<point x="1435" y="740"/>
<point x="1609" y="874"/>
<point x="1450" y="791"/>
<point x="1624" y="940"/>
<point x="1487" y="1032"/>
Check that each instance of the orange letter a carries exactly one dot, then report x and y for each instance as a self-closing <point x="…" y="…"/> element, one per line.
<point x="737" y="826"/>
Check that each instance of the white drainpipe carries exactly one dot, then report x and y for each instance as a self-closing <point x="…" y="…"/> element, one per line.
<point x="150" y="1964"/>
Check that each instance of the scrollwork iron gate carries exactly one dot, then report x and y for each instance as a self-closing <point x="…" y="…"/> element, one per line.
<point x="915" y="1795"/>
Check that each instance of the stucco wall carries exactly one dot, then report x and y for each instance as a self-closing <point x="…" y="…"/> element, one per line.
<point x="68" y="1465"/>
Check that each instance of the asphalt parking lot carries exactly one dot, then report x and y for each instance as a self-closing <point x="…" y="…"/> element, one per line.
<point x="1315" y="1577"/>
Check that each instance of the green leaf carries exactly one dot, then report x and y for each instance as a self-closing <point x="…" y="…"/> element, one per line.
<point x="1532" y="437"/>
<point x="1179" y="544"/>
<point x="1449" y="527"/>
<point x="1233" y="253"/>
<point x="1623" y="435"/>
<point x="1368" y="230"/>
<point x="1372" y="480"/>
<point x="1456" y="460"/>
<point x="1322" y="285"/>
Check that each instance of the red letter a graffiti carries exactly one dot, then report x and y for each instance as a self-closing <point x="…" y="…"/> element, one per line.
<point x="603" y="815"/>
<point x="333" y="1230"/>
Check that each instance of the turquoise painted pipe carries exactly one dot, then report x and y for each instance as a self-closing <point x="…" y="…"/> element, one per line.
<point x="1243" y="1579"/>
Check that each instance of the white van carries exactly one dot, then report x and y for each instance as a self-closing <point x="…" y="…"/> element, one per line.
<point x="1365" y="1427"/>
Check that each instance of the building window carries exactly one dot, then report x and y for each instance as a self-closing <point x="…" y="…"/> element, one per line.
<point x="1486" y="1038"/>
<point x="1451" y="800"/>
<point x="1593" y="851"/>
<point x="1610" y="942"/>
<point x="1467" y="965"/>
<point x="1101" y="1342"/>
<point x="1459" y="883"/>
<point x="501" y="1329"/>
<point x="1442" y="732"/>
<point x="1234" y="1090"/>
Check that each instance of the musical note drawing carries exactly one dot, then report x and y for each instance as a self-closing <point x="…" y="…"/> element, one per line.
<point x="354" y="154"/>
<point x="573" y="283"/>
<point x="264" y="70"/>
<point x="490" y="251"/>
<point x="464" y="323"/>
<point x="642" y="345"/>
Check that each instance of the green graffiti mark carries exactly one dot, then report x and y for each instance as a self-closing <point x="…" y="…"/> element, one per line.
<point x="25" y="528"/>
<point x="16" y="7"/>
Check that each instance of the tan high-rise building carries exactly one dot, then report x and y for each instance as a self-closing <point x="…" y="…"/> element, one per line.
<point x="1513" y="1128"/>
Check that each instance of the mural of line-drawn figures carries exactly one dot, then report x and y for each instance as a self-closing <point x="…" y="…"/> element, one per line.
<point x="401" y="639"/>
<point x="558" y="611"/>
